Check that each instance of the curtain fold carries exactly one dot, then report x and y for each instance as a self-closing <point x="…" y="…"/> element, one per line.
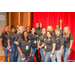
<point x="53" y="18"/>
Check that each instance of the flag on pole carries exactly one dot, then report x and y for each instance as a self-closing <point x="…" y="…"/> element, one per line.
<point x="60" y="23"/>
<point x="40" y="24"/>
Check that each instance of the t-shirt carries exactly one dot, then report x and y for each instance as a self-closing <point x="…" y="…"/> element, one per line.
<point x="4" y="36"/>
<point x="49" y="44"/>
<point x="12" y="38"/>
<point x="59" y="42"/>
<point x="41" y="39"/>
<point x="67" y="41"/>
<point x="33" y="40"/>
<point x="23" y="44"/>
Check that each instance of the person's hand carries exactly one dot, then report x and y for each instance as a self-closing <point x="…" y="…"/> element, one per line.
<point x="44" y="53"/>
<point x="68" y="52"/>
<point x="10" y="50"/>
<point x="60" y="53"/>
<point x="17" y="43"/>
<point x="21" y="55"/>
<point x="51" y="55"/>
<point x="3" y="48"/>
<point x="30" y="54"/>
<point x="39" y="46"/>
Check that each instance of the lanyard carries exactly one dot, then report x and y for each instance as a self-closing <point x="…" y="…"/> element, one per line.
<point x="26" y="42"/>
<point x="35" y="37"/>
<point x="6" y="33"/>
<point x="47" y="40"/>
<point x="40" y="37"/>
<point x="37" y="31"/>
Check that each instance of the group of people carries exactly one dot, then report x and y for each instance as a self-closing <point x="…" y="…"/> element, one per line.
<point x="22" y="43"/>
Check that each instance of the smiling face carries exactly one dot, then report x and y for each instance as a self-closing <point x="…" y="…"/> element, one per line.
<point x="49" y="28"/>
<point x="37" y="25"/>
<point x="6" y="29"/>
<point x="25" y="34"/>
<point x="28" y="29"/>
<point x="57" y="32"/>
<point x="43" y="31"/>
<point x="33" y="30"/>
<point x="48" y="34"/>
<point x="13" y="30"/>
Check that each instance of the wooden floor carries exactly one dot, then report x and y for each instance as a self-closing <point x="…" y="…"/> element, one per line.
<point x="3" y="60"/>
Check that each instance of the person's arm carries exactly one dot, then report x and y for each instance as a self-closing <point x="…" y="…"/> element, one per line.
<point x="71" y="42"/>
<point x="42" y="45"/>
<point x="1" y="44"/>
<point x="1" y="39"/>
<point x="53" y="49"/>
<point x="31" y="52"/>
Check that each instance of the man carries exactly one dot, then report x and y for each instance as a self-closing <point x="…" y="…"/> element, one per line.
<point x="38" y="33"/>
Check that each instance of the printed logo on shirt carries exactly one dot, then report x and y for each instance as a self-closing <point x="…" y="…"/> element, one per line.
<point x="29" y="40"/>
<point x="57" y="38"/>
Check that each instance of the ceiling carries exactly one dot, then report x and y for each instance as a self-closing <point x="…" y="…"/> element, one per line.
<point x="2" y="13"/>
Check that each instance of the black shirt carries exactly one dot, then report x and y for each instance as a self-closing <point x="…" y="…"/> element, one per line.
<point x="22" y="44"/>
<point x="38" y="32"/>
<point x="41" y="39"/>
<point x="48" y="44"/>
<point x="33" y="40"/>
<point x="59" y="42"/>
<point x="18" y="36"/>
<point x="67" y="41"/>
<point x="4" y="36"/>
<point x="11" y="37"/>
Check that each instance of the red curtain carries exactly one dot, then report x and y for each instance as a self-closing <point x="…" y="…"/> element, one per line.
<point x="53" y="18"/>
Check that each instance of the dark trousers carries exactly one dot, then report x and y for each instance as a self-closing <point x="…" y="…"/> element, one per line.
<point x="38" y="57"/>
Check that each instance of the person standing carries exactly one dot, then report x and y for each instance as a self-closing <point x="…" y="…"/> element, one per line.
<point x="34" y="43"/>
<point x="38" y="31"/>
<point x="19" y="33"/>
<point x="59" y="45"/>
<point x="41" y="40"/>
<point x="11" y="44"/>
<point x="49" y="48"/>
<point x="68" y="42"/>
<point x="4" y="44"/>
<point x="24" y="47"/>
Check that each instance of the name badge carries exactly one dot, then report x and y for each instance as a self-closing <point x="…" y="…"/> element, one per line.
<point x="35" y="42"/>
<point x="39" y="41"/>
<point x="45" y="47"/>
<point x="27" y="47"/>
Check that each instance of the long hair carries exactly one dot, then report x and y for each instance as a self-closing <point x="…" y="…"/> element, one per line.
<point x="3" y="29"/>
<point x="69" y="32"/>
<point x="20" y="28"/>
<point x="22" y="36"/>
<point x="45" y="30"/>
<point x="47" y="37"/>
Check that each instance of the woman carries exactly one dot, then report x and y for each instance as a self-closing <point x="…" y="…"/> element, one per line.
<point x="3" y="41"/>
<point x="68" y="41"/>
<point x="59" y="45"/>
<point x="19" y="33"/>
<point x="11" y="44"/>
<point x="24" y="47"/>
<point x="41" y="40"/>
<point x="49" y="48"/>
<point x="50" y="28"/>
<point x="34" y="43"/>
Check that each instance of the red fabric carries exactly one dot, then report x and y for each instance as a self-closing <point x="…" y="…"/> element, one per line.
<point x="53" y="18"/>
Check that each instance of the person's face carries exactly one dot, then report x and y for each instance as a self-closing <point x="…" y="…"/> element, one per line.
<point x="43" y="31"/>
<point x="13" y="30"/>
<point x="48" y="34"/>
<point x="28" y="29"/>
<point x="21" y="30"/>
<point x="66" y="31"/>
<point x="49" y="28"/>
<point x="57" y="33"/>
<point x="33" y="30"/>
<point x="6" y="29"/>
<point x="25" y="34"/>
<point x="37" y="25"/>
<point x="57" y="26"/>
<point x="17" y="26"/>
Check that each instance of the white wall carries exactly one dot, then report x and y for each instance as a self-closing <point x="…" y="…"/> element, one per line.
<point x="2" y="23"/>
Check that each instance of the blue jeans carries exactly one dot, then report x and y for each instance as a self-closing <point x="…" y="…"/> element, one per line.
<point x="6" y="55"/>
<point x="14" y="53"/>
<point x="65" y="54"/>
<point x="47" y="57"/>
<point x="24" y="58"/>
<point x="42" y="56"/>
<point x="57" y="55"/>
<point x="33" y="52"/>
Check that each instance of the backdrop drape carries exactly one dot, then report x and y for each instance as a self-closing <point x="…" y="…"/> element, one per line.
<point x="53" y="18"/>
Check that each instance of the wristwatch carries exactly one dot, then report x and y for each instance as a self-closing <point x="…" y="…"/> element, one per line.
<point x="52" y="53"/>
